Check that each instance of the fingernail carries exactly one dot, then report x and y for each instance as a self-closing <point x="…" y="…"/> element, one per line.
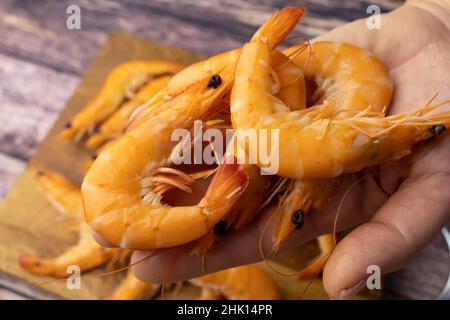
<point x="349" y="293"/>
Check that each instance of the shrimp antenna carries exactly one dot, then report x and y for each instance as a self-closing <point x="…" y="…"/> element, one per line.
<point x="278" y="186"/>
<point x="316" y="274"/>
<point x="339" y="209"/>
<point x="291" y="57"/>
<point x="303" y="45"/>
<point x="376" y="178"/>
<point x="261" y="251"/>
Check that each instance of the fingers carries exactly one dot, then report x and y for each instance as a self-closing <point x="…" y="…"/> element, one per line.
<point x="402" y="227"/>
<point x="243" y="246"/>
<point x="238" y="248"/>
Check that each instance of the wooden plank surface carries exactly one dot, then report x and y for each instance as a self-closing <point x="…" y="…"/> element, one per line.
<point x="41" y="62"/>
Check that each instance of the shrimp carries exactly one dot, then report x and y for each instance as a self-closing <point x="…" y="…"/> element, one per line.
<point x="353" y="86"/>
<point x="332" y="137"/>
<point x="131" y="288"/>
<point x="121" y="84"/>
<point x="122" y="192"/>
<point x="297" y="197"/>
<point x="222" y="65"/>
<point x="116" y="124"/>
<point x="87" y="253"/>
<point x="302" y="194"/>
<point x="288" y="85"/>
<point x="240" y="283"/>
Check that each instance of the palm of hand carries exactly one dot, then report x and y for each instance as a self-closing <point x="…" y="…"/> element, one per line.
<point x="413" y="46"/>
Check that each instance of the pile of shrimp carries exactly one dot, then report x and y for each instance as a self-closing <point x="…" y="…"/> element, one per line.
<point x="246" y="282"/>
<point x="326" y="101"/>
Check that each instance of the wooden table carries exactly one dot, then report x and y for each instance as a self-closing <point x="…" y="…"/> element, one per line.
<point x="41" y="62"/>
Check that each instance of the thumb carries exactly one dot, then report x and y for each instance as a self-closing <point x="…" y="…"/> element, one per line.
<point x="407" y="222"/>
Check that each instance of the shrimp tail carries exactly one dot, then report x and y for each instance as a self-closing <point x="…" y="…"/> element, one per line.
<point x="36" y="264"/>
<point x="275" y="27"/>
<point x="246" y="282"/>
<point x="85" y="257"/>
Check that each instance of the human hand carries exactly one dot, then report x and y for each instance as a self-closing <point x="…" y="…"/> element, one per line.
<point x="397" y="219"/>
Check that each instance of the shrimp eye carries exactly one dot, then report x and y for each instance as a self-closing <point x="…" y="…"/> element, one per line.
<point x="97" y="129"/>
<point x="40" y="173"/>
<point x="220" y="228"/>
<point x="67" y="125"/>
<point x="437" y="130"/>
<point x="93" y="155"/>
<point x="214" y="81"/>
<point x="298" y="218"/>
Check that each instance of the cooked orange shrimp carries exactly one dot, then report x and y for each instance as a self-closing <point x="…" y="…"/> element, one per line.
<point x="131" y="288"/>
<point x="325" y="142"/>
<point x="326" y="245"/>
<point x="122" y="192"/>
<point x="116" y="124"/>
<point x="274" y="30"/>
<point x="297" y="197"/>
<point x="288" y="85"/>
<point x="87" y="253"/>
<point x="122" y="83"/>
<point x="241" y="283"/>
<point x="63" y="194"/>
